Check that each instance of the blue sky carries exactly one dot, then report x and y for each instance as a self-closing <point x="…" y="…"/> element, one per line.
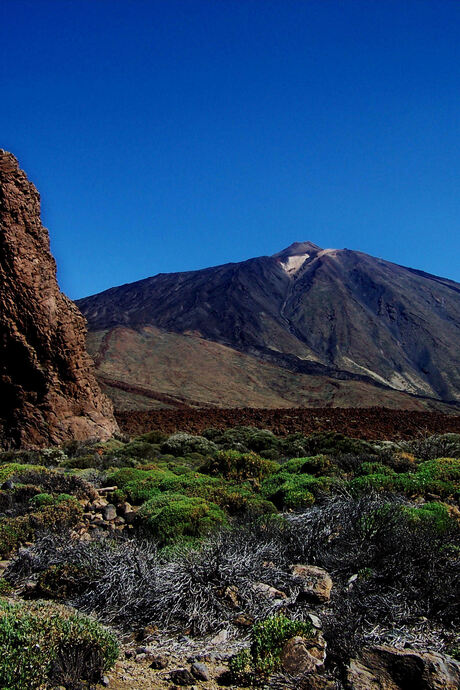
<point x="177" y="134"/>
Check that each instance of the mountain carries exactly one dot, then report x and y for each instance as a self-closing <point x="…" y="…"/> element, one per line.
<point x="48" y="392"/>
<point x="305" y="326"/>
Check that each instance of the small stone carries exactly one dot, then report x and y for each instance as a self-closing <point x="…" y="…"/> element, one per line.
<point x="268" y="591"/>
<point x="110" y="512"/>
<point x="105" y="681"/>
<point x="159" y="662"/>
<point x="316" y="622"/>
<point x="8" y="485"/>
<point x="243" y="619"/>
<point x="220" y="637"/>
<point x="231" y="594"/>
<point x="316" y="582"/>
<point x="200" y="671"/>
<point x="181" y="676"/>
<point x="352" y="580"/>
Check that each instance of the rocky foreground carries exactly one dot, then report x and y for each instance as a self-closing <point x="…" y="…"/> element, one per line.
<point x="236" y="559"/>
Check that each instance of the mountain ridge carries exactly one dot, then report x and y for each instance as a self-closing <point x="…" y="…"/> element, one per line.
<point x="333" y="312"/>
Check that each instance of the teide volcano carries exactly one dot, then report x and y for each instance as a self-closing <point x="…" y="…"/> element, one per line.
<point x="306" y="326"/>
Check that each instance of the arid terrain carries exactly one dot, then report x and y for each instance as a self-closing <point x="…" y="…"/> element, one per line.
<point x="304" y="327"/>
<point x="368" y="423"/>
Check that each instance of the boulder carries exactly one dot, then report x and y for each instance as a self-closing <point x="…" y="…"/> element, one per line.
<point x="386" y="668"/>
<point x="316" y="582"/>
<point x="303" y="655"/>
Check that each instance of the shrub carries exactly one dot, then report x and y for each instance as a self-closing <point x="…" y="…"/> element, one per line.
<point x="317" y="466"/>
<point x="437" y="446"/>
<point x="331" y="443"/>
<point x="22" y="457"/>
<point x="294" y="491"/>
<point x="155" y="436"/>
<point x="170" y="516"/>
<point x="268" y="638"/>
<point x="439" y="477"/>
<point x="13" y="531"/>
<point x="443" y="469"/>
<point x="16" y="471"/>
<point x="43" y="644"/>
<point x="5" y="587"/>
<point x="42" y="499"/>
<point x="182" y="443"/>
<point x="231" y="464"/>
<point x="56" y="482"/>
<point x="433" y="513"/>
<point x="375" y="468"/>
<point x="63" y="581"/>
<point x="16" y="500"/>
<point x="63" y="511"/>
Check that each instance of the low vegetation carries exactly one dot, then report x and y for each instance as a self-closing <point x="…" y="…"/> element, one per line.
<point x="46" y="645"/>
<point x="189" y="532"/>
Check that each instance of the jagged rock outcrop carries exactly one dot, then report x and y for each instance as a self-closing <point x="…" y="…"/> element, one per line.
<point x="48" y="393"/>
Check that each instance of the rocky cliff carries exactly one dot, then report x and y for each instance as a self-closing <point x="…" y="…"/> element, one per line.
<point x="48" y="393"/>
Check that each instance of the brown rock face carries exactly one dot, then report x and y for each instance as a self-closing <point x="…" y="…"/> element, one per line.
<point x="386" y="668"/>
<point x="48" y="393"/>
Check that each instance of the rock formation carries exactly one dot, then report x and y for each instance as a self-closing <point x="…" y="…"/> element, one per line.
<point x="48" y="393"/>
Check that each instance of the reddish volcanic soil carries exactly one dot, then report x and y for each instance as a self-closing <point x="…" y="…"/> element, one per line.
<point x="365" y="423"/>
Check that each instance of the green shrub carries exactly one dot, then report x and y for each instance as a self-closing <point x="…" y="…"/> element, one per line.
<point x="331" y="443"/>
<point x="136" y="449"/>
<point x="170" y="516"/>
<point x="182" y="443"/>
<point x="375" y="468"/>
<point x="44" y="645"/>
<point x="231" y="464"/>
<point x="13" y="531"/>
<point x="40" y="500"/>
<point x="6" y="588"/>
<point x="63" y="511"/>
<point x="62" y="581"/>
<point x="155" y="436"/>
<point x="268" y="638"/>
<point x="294" y="491"/>
<point x="14" y="470"/>
<point x="318" y="466"/>
<point x="44" y="499"/>
<point x="443" y="469"/>
<point x="439" y="477"/>
<point x="433" y="513"/>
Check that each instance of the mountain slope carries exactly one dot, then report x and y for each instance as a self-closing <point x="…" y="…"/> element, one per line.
<point x="339" y="314"/>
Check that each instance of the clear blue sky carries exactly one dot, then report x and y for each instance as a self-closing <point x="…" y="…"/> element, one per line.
<point x="177" y="134"/>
